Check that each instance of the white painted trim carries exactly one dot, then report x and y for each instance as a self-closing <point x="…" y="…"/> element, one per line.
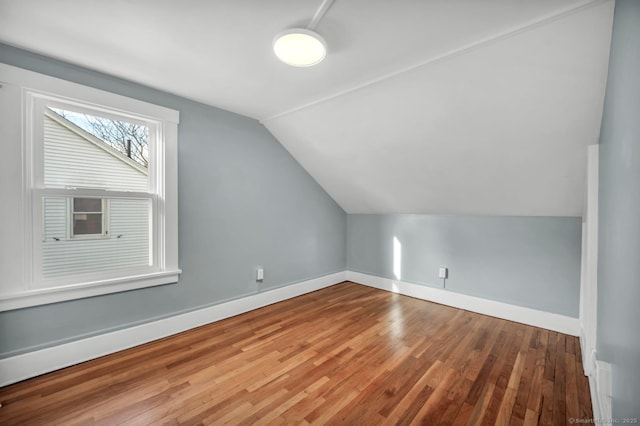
<point x="600" y="387"/>
<point x="593" y="390"/>
<point x="589" y="262"/>
<point x="24" y="366"/>
<point x="89" y="95"/>
<point x="21" y="367"/>
<point x="26" y="93"/>
<point x="548" y="320"/>
<point x="87" y="289"/>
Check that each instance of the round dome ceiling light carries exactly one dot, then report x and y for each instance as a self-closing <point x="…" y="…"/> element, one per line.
<point x="300" y="47"/>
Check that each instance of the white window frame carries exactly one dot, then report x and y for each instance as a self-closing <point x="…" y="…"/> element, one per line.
<point x="22" y="285"/>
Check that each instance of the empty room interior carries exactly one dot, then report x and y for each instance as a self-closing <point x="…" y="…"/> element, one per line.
<point x="319" y="212"/>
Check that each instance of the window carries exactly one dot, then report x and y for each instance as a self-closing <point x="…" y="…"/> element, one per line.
<point x="88" y="217"/>
<point x="99" y="190"/>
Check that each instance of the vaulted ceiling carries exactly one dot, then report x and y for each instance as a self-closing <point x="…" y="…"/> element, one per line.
<point x="434" y="106"/>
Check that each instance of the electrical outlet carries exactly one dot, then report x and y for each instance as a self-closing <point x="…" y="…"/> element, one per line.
<point x="259" y="274"/>
<point x="443" y="273"/>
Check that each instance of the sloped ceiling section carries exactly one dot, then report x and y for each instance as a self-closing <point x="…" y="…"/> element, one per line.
<point x="438" y="106"/>
<point x="501" y="128"/>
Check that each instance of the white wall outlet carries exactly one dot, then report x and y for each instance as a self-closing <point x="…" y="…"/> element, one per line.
<point x="443" y="273"/>
<point x="259" y="274"/>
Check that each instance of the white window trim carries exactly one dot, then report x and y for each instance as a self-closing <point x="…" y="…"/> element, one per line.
<point x="22" y="263"/>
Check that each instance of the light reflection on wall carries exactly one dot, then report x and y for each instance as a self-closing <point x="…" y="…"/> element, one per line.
<point x="397" y="258"/>
<point x="396" y="316"/>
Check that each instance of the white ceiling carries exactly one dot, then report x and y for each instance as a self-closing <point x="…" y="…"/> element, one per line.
<point x="439" y="106"/>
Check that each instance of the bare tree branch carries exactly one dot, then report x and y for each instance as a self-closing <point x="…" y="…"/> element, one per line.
<point x="116" y="133"/>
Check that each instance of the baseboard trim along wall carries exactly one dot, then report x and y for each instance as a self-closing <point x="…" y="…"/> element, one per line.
<point x="31" y="364"/>
<point x="548" y="320"/>
<point x="600" y="387"/>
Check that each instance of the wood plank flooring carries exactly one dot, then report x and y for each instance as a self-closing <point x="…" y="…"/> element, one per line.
<point x="347" y="354"/>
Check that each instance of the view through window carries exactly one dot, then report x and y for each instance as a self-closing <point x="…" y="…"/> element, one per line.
<point x="88" y="158"/>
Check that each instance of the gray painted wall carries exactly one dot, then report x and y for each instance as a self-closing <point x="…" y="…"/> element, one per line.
<point x="526" y="261"/>
<point x="618" y="338"/>
<point x="243" y="202"/>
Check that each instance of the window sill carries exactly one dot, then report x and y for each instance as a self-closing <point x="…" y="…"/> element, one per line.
<point x="94" y="288"/>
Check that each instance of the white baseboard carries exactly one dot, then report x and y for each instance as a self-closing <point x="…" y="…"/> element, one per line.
<point x="31" y="364"/>
<point x="24" y="366"/>
<point x="599" y="374"/>
<point x="600" y="387"/>
<point x="586" y="364"/>
<point x="548" y="320"/>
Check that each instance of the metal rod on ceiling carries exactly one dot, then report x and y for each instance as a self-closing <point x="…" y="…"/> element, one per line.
<point x="322" y="10"/>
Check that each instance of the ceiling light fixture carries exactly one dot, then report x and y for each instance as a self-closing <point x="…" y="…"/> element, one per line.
<point x="300" y="47"/>
<point x="303" y="47"/>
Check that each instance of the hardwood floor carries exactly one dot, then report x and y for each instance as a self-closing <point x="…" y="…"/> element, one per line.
<point x="347" y="354"/>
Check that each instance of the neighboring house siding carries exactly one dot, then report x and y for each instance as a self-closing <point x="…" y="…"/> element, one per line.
<point x="70" y="160"/>
<point x="127" y="218"/>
